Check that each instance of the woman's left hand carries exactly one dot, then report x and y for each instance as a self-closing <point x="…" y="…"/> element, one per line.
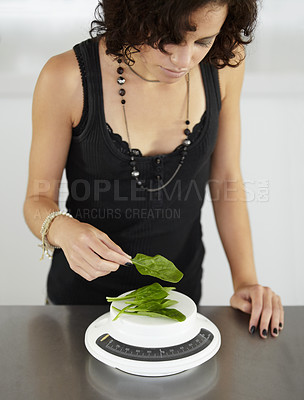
<point x="264" y="306"/>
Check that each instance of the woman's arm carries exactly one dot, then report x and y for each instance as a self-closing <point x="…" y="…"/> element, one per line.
<point x="55" y="105"/>
<point x="50" y="142"/>
<point x="231" y="214"/>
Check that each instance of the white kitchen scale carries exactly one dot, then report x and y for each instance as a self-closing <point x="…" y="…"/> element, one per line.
<point x="149" y="346"/>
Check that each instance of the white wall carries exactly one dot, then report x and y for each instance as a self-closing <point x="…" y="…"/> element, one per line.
<point x="272" y="147"/>
<point x="31" y="31"/>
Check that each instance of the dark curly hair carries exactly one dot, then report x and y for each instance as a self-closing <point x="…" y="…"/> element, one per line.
<point x="126" y="24"/>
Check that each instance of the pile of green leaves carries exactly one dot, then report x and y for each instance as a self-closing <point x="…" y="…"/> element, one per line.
<point x="152" y="300"/>
<point x="149" y="301"/>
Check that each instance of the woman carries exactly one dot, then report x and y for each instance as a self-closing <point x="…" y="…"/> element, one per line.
<point x="142" y="116"/>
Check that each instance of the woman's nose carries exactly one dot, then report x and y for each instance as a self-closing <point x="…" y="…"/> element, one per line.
<point x="181" y="56"/>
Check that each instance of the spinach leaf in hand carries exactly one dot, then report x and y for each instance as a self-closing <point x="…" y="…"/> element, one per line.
<point x="157" y="266"/>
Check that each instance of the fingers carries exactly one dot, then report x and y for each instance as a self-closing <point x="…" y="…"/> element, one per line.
<point x="102" y="250"/>
<point x="241" y="303"/>
<point x="111" y="245"/>
<point x="89" y="254"/>
<point x="265" y="307"/>
<point x="89" y="272"/>
<point x="82" y="272"/>
<point x="100" y="266"/>
<point x="267" y="312"/>
<point x="281" y="324"/>
<point x="277" y="319"/>
<point x="256" y="309"/>
<point x="91" y="265"/>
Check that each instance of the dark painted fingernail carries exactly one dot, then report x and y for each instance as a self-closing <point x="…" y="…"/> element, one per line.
<point x="252" y="329"/>
<point x="275" y="331"/>
<point x="128" y="264"/>
<point x="280" y="325"/>
<point x="264" y="333"/>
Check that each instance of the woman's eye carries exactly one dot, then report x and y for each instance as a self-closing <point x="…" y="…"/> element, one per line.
<point x="205" y="44"/>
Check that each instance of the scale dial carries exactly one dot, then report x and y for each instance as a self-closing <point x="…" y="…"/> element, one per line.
<point x="117" y="348"/>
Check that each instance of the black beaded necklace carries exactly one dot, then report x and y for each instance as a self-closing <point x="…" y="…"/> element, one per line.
<point x="134" y="152"/>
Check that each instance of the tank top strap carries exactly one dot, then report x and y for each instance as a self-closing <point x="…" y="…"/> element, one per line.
<point x="211" y="81"/>
<point x="87" y="55"/>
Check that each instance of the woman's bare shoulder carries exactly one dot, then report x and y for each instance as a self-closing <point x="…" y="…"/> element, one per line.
<point x="60" y="81"/>
<point x="61" y="69"/>
<point x="231" y="78"/>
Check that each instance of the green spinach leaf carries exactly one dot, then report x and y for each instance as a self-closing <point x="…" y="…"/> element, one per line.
<point x="171" y="313"/>
<point x="149" y="292"/>
<point x="151" y="300"/>
<point x="157" y="266"/>
<point x="151" y="305"/>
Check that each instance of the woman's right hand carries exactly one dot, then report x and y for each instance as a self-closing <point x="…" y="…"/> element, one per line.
<point x="89" y="251"/>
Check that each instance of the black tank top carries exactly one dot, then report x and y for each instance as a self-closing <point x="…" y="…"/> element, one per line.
<point x="103" y="194"/>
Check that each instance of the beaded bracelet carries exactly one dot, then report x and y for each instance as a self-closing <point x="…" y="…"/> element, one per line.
<point x="46" y="246"/>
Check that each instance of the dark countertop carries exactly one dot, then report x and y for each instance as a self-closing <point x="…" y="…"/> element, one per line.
<point x="42" y="357"/>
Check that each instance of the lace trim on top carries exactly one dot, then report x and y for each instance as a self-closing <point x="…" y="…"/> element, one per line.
<point x="123" y="146"/>
<point x="84" y="117"/>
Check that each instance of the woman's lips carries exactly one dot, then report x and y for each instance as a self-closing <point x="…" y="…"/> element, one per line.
<point x="174" y="74"/>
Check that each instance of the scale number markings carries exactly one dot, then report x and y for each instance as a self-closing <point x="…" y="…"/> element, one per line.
<point x="193" y="346"/>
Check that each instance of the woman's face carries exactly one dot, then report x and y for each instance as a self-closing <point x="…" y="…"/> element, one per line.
<point x="169" y="68"/>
